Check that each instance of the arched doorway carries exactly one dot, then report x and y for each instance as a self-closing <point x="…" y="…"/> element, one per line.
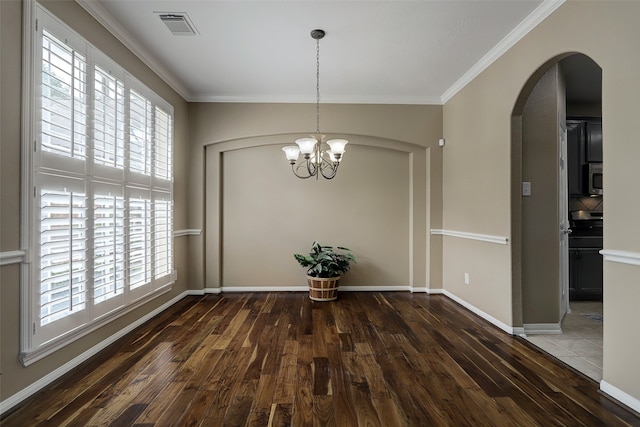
<point x="545" y="195"/>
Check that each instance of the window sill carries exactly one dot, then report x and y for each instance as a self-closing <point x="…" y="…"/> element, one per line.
<point x="28" y="358"/>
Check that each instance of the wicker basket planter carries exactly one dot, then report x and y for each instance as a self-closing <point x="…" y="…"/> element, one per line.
<point x="324" y="266"/>
<point x="323" y="289"/>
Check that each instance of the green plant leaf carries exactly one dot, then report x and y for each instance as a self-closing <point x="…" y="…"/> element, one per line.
<point x="324" y="261"/>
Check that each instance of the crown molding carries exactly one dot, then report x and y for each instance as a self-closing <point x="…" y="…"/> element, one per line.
<point x="325" y="100"/>
<point x="529" y="23"/>
<point x="118" y="31"/>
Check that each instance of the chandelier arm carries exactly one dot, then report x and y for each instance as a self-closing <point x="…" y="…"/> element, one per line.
<point x="329" y="164"/>
<point x="294" y="170"/>
<point x="332" y="174"/>
<point x="312" y="168"/>
<point x="329" y="176"/>
<point x="325" y="164"/>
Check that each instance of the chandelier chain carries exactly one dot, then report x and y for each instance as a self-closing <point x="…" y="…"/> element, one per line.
<point x="318" y="160"/>
<point x="318" y="86"/>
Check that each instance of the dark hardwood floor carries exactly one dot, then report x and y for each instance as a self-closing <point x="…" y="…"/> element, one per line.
<point x="277" y="359"/>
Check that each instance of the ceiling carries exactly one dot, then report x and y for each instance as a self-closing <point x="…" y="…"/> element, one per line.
<point x="388" y="52"/>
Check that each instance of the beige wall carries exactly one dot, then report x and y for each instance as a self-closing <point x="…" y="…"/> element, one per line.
<point x="387" y="194"/>
<point x="540" y="211"/>
<point x="268" y="214"/>
<point x="476" y="185"/>
<point x="622" y="351"/>
<point x="14" y="376"/>
<point x="477" y="124"/>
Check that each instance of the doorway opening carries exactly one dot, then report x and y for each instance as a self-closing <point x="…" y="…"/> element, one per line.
<point x="556" y="213"/>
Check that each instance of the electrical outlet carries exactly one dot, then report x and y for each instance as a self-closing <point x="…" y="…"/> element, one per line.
<point x="466" y="278"/>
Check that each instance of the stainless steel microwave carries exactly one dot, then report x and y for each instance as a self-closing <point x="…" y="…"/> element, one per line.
<point x="595" y="179"/>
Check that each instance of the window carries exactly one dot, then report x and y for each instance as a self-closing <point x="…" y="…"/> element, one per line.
<point x="108" y="245"/>
<point x="108" y="137"/>
<point x="63" y="253"/>
<point x="64" y="99"/>
<point x="102" y="209"/>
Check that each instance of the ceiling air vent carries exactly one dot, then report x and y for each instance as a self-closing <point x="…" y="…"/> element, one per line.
<point x="178" y="23"/>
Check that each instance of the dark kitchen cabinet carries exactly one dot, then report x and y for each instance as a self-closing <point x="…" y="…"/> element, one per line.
<point x="575" y="157"/>
<point x="594" y="141"/>
<point x="585" y="275"/>
<point x="584" y="146"/>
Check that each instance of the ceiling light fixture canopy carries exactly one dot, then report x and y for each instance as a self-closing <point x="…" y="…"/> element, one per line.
<point x="318" y="157"/>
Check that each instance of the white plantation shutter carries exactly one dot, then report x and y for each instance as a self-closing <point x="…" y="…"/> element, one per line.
<point x="102" y="174"/>
<point x="108" y="246"/>
<point x="63" y="254"/>
<point x="109" y="120"/>
<point x="64" y="99"/>
<point x="162" y="235"/>
<point x="139" y="243"/>
<point x="163" y="130"/>
<point x="140" y="133"/>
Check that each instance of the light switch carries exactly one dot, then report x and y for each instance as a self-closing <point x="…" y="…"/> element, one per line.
<point x="526" y="188"/>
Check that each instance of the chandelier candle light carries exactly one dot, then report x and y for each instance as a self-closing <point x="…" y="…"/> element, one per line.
<point x="316" y="158"/>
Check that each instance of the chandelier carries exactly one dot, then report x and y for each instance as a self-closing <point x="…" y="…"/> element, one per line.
<point x="318" y="157"/>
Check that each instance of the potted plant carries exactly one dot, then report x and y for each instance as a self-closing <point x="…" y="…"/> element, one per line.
<point x="325" y="265"/>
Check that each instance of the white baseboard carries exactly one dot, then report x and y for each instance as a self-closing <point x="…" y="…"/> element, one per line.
<point x="542" y="328"/>
<point x="435" y="291"/>
<point x="262" y="289"/>
<point x="519" y="330"/>
<point x="375" y="288"/>
<point x="305" y="289"/>
<point x="620" y="396"/>
<point x="11" y="401"/>
<point x="508" y="329"/>
<point x="204" y="291"/>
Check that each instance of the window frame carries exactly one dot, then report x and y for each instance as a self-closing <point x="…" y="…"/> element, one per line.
<point x="43" y="171"/>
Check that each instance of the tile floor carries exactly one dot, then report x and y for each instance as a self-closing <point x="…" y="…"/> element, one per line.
<point x="580" y="344"/>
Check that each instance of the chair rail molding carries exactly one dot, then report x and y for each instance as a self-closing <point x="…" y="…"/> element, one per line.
<point x="471" y="236"/>
<point x="623" y="257"/>
<point x="12" y="257"/>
